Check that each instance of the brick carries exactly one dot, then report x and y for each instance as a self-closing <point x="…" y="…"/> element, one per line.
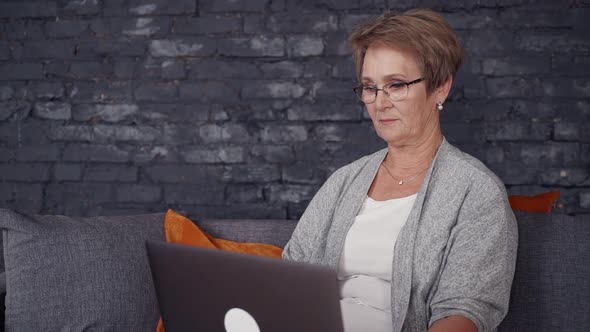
<point x="212" y="68"/>
<point x="334" y="90"/>
<point x="303" y="172"/>
<point x="278" y="5"/>
<point x="71" y="133"/>
<point x="172" y="69"/>
<point x="108" y="47"/>
<point x="211" y="133"/>
<point x="6" y="92"/>
<point x="104" y="112"/>
<point x="22" y="29"/>
<point x="349" y="22"/>
<point x="146" y="154"/>
<point x="28" y="197"/>
<point x="303" y="46"/>
<point x="282" y="69"/>
<point x="257" y="46"/>
<point x="193" y="46"/>
<point x="4" y="51"/>
<point x="27" y="9"/>
<point x="244" y="193"/>
<point x="66" y="28"/>
<point x="207" y="92"/>
<point x="284" y="133"/>
<point x="571" y="65"/>
<point x="6" y="154"/>
<point x="156" y="92"/>
<point x="175" y="113"/>
<point x="68" y="172"/>
<point x="337" y="44"/>
<point x="56" y="69"/>
<point x="518" y="131"/>
<point x="330" y="132"/>
<point x="324" y="112"/>
<point x="110" y="173"/>
<point x="76" y="198"/>
<point x="291" y="193"/>
<point x="503" y="87"/>
<point x="584" y="198"/>
<point x="254" y="24"/>
<point x="6" y="192"/>
<point x="535" y="18"/>
<point x="90" y="70"/>
<point x="570" y="131"/>
<point x="28" y="172"/>
<point x="344" y="69"/>
<point x="565" y="176"/>
<point x="232" y="6"/>
<point x="46" y="90"/>
<point x="301" y="23"/>
<point x="252" y="173"/>
<point x="53" y="110"/>
<point x="142" y="27"/>
<point x="273" y="90"/>
<point x="95" y="153"/>
<point x="225" y="155"/>
<point x="468" y="21"/>
<point x="516" y="66"/>
<point x="77" y="7"/>
<point x="26" y="132"/>
<point x="207" y="24"/>
<point x="194" y="174"/>
<point x="46" y="49"/>
<point x="274" y="154"/>
<point x="21" y="71"/>
<point x="110" y="133"/>
<point x="489" y="42"/>
<point x="138" y="193"/>
<point x="192" y="194"/>
<point x="565" y="87"/>
<point x="553" y="42"/>
<point x="14" y="109"/>
<point x="159" y="7"/>
<point x="99" y="92"/>
<point x="37" y="153"/>
<point x="464" y="132"/>
<point x="550" y="153"/>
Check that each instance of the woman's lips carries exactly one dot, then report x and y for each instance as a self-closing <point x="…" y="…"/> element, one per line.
<point x="387" y="121"/>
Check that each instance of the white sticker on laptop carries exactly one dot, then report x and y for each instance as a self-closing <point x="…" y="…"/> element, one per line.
<point x="239" y="320"/>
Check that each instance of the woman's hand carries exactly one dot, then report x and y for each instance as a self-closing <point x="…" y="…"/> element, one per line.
<point x="455" y="323"/>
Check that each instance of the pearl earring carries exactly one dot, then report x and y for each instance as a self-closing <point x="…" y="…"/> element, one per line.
<point x="440" y="106"/>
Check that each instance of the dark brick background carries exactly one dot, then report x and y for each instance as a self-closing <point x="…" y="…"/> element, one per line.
<point x="239" y="109"/>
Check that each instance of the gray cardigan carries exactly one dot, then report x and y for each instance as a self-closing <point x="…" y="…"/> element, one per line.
<point x="456" y="253"/>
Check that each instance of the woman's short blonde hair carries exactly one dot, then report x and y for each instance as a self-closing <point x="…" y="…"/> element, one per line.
<point x="423" y="33"/>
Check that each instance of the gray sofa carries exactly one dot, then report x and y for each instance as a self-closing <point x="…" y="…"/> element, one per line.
<point x="91" y="274"/>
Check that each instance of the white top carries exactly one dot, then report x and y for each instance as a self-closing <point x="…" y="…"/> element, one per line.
<point x="365" y="267"/>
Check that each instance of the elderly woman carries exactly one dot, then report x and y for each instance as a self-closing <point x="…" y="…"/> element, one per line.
<point x="421" y="234"/>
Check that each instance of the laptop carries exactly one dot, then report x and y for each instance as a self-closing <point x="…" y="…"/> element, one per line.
<point x="212" y="290"/>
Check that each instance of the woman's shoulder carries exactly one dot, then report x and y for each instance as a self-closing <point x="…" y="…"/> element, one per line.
<point x="461" y="165"/>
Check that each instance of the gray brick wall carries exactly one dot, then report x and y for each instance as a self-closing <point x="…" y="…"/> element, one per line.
<point x="236" y="109"/>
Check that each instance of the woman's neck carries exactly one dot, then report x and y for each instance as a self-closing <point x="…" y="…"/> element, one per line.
<point x="410" y="158"/>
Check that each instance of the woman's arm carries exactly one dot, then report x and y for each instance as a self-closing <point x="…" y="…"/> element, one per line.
<point x="455" y="323"/>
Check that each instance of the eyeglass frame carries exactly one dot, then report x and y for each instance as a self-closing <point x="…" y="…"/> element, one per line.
<point x="376" y="89"/>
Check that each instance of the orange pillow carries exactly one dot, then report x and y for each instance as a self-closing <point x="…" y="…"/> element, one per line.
<point x="181" y="230"/>
<point x="540" y="203"/>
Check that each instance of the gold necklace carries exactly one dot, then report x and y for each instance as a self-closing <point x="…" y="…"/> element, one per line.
<point x="402" y="181"/>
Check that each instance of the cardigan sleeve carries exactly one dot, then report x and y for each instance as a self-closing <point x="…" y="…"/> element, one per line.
<point x="478" y="270"/>
<point x="309" y="234"/>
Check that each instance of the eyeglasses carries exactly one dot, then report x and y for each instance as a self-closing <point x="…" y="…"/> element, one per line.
<point x="396" y="91"/>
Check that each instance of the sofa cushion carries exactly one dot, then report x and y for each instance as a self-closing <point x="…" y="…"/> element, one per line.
<point x="78" y="274"/>
<point x="551" y="285"/>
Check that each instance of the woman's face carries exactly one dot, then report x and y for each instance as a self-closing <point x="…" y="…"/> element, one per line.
<point x="404" y="122"/>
